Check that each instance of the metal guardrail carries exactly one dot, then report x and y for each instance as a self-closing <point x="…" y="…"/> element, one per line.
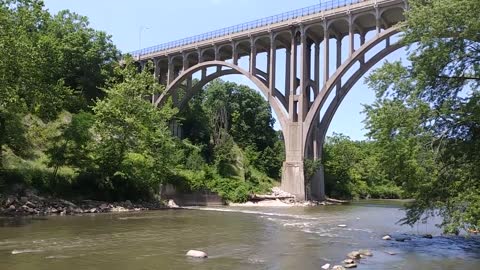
<point x="332" y="4"/>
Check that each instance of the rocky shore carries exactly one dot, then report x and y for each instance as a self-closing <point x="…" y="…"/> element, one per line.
<point x="280" y="198"/>
<point x="30" y="204"/>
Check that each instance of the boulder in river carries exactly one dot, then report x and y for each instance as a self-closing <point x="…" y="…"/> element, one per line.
<point x="326" y="266"/>
<point x="428" y="236"/>
<point x="196" y="254"/>
<point x="354" y="255"/>
<point x="402" y="238"/>
<point x="365" y="252"/>
<point x="387" y="237"/>
<point x="172" y="204"/>
<point x="351" y="265"/>
<point x="338" y="267"/>
<point x="348" y="261"/>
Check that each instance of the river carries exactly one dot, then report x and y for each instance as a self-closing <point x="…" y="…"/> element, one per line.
<point x="234" y="238"/>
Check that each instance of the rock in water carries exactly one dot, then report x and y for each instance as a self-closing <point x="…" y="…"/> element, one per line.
<point x="351" y="265"/>
<point x="428" y="236"/>
<point x="338" y="267"/>
<point x="172" y="204"/>
<point x="348" y="261"/>
<point x="354" y="255"/>
<point x="196" y="254"/>
<point x="326" y="266"/>
<point x="387" y="237"/>
<point x="365" y="252"/>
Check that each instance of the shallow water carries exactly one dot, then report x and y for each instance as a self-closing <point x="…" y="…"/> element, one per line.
<point x="234" y="238"/>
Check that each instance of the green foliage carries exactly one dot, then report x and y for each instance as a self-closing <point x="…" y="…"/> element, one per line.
<point x="48" y="64"/>
<point x="354" y="170"/>
<point x="427" y="117"/>
<point x="71" y="146"/>
<point x="133" y="141"/>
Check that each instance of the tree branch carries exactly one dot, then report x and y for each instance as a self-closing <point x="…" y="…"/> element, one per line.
<point x="459" y="77"/>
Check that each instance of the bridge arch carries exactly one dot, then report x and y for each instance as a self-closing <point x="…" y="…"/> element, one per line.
<point x="357" y="56"/>
<point x="233" y="69"/>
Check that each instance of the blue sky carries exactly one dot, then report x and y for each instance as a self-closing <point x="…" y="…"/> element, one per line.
<point x="164" y="21"/>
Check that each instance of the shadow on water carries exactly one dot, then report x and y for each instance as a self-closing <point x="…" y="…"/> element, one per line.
<point x="443" y="246"/>
<point x="19" y="221"/>
<point x="381" y="203"/>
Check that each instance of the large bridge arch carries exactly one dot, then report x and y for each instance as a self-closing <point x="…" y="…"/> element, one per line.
<point x="275" y="103"/>
<point x="297" y="44"/>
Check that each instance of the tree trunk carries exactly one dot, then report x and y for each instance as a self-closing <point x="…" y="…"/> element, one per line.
<point x="3" y="130"/>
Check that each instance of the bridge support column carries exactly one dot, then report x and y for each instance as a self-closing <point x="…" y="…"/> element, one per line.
<point x="317" y="185"/>
<point x="293" y="179"/>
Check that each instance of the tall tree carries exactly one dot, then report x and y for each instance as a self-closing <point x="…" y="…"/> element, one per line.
<point x="438" y="96"/>
<point x="133" y="147"/>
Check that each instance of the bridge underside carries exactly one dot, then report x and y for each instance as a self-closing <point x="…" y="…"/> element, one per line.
<point x="297" y="89"/>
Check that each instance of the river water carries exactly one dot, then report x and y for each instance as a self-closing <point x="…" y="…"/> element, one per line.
<point x="234" y="238"/>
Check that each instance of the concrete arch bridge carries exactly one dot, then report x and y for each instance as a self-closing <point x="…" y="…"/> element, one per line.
<point x="310" y="42"/>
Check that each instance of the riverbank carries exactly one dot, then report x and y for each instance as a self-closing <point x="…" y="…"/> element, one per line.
<point x="31" y="204"/>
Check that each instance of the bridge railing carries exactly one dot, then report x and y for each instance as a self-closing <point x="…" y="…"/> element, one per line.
<point x="323" y="6"/>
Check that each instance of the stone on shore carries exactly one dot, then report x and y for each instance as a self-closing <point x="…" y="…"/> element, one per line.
<point x="326" y="266"/>
<point x="196" y="254"/>
<point x="172" y="204"/>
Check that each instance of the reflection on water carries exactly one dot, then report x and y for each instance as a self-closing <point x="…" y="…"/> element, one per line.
<point x="234" y="238"/>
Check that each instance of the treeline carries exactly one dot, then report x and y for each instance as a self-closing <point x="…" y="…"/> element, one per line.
<point x="74" y="120"/>
<point x="355" y="170"/>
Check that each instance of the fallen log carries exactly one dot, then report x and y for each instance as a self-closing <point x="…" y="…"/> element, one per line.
<point x="256" y="197"/>
<point x="335" y="200"/>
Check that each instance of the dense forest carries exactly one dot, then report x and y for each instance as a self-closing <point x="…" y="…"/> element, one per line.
<point x="74" y="120"/>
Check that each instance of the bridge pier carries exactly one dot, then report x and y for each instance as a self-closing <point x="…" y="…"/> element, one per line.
<point x="293" y="179"/>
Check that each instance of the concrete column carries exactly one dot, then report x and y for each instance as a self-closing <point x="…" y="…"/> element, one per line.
<point x="318" y="185"/>
<point x="293" y="180"/>
<point x="317" y="69"/>
<point x="272" y="65"/>
<point x="304" y="76"/>
<point x="377" y="20"/>
<point x="351" y="36"/>
<point x="253" y="58"/>
<point x="156" y="76"/>
<point x="184" y="62"/>
<point x="234" y="53"/>
<point x="171" y="71"/>
<point x="326" y="59"/>
<point x="156" y="69"/>
<point x="287" y="77"/>
<point x="217" y="57"/>
<point x="200" y="60"/>
<point x="339" y="60"/>
<point x="293" y="78"/>
<point x="362" y="41"/>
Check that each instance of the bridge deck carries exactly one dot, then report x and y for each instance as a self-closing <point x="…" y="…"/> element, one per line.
<point x="320" y="10"/>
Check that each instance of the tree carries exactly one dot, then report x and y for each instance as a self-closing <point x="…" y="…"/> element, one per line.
<point x="48" y="64"/>
<point x="71" y="146"/>
<point x="438" y="98"/>
<point x="133" y="146"/>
